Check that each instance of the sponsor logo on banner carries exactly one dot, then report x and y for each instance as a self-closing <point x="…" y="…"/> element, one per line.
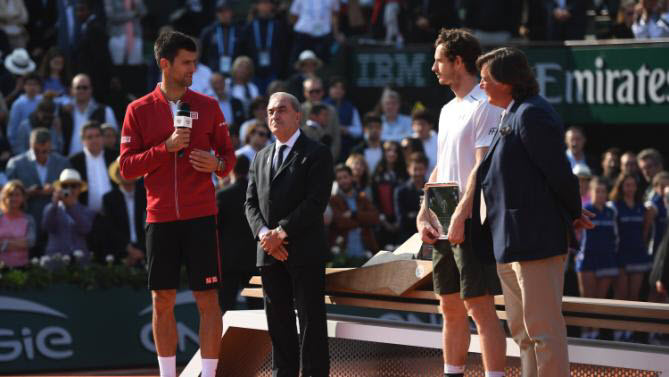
<point x="20" y="341"/>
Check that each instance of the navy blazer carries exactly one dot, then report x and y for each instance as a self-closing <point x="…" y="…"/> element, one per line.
<point x="295" y="199"/>
<point x="531" y="195"/>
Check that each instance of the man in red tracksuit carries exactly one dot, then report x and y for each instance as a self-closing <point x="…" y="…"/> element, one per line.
<point x="176" y="164"/>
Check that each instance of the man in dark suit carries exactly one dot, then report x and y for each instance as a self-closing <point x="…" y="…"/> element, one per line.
<point x="93" y="159"/>
<point x="90" y="54"/>
<point x="289" y="187"/>
<point x="124" y="213"/>
<point x="236" y="240"/>
<point x="532" y="206"/>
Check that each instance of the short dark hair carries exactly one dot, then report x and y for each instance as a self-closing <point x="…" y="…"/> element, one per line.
<point x="614" y="151"/>
<point x="40" y="136"/>
<point x="90" y="125"/>
<point x="422" y="114"/>
<point x="169" y="43"/>
<point x="318" y="108"/>
<point x="334" y="80"/>
<point x="343" y="167"/>
<point x="371" y="118"/>
<point x="46" y="105"/>
<point x="418" y="158"/>
<point x="460" y="42"/>
<point x="33" y="76"/>
<point x="241" y="168"/>
<point x="509" y="65"/>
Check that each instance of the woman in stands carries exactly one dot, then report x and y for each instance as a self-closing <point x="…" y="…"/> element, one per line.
<point x="633" y="222"/>
<point x="596" y="260"/>
<point x="389" y="173"/>
<point x="17" y="229"/>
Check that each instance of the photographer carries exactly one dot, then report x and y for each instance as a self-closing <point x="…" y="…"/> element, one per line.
<point x="65" y="219"/>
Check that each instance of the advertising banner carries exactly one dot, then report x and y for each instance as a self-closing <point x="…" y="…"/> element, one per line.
<point x="66" y="328"/>
<point x="616" y="84"/>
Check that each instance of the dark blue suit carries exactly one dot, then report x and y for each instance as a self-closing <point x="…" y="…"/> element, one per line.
<point x="531" y="195"/>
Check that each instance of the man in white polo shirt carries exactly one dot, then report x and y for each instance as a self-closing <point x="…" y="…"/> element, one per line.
<point x="464" y="279"/>
<point x="315" y="25"/>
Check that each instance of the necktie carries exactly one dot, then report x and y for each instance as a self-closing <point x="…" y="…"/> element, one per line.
<point x="279" y="159"/>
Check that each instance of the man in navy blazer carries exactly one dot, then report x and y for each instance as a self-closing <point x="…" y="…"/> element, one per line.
<point x="532" y="206"/>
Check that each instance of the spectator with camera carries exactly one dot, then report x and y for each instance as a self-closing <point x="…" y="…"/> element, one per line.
<point x="67" y="221"/>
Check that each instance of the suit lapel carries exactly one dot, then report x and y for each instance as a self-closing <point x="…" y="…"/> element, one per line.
<point x="34" y="176"/>
<point x="267" y="173"/>
<point x="505" y="123"/>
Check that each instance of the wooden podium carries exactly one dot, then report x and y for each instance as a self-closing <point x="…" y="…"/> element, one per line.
<point x="399" y="282"/>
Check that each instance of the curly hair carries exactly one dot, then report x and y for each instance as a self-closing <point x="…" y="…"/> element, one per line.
<point x="460" y="42"/>
<point x="509" y="65"/>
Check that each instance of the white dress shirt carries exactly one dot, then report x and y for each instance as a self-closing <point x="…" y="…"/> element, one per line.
<point x="41" y="169"/>
<point x="98" y="179"/>
<point x="129" y="197"/>
<point x="275" y="158"/>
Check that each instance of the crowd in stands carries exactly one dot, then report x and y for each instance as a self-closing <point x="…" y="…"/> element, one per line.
<point x="70" y="67"/>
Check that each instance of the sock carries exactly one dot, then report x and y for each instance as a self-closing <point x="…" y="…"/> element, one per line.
<point x="494" y="374"/>
<point x="168" y="366"/>
<point x="454" y="370"/>
<point x="209" y="367"/>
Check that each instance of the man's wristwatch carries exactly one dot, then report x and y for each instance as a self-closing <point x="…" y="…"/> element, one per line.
<point x="220" y="165"/>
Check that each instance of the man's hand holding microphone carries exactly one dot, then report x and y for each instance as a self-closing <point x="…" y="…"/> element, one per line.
<point x="201" y="161"/>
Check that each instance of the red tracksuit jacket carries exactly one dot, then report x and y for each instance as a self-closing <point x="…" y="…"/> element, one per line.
<point x="174" y="190"/>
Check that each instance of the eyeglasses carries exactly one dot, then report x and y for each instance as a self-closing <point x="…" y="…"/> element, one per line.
<point x="314" y="91"/>
<point x="260" y="133"/>
<point x="82" y="87"/>
<point x="69" y="185"/>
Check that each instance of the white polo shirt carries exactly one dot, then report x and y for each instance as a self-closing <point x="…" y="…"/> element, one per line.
<point x="314" y="16"/>
<point x="464" y="125"/>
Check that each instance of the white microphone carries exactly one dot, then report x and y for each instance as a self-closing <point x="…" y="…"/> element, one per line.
<point x="182" y="119"/>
